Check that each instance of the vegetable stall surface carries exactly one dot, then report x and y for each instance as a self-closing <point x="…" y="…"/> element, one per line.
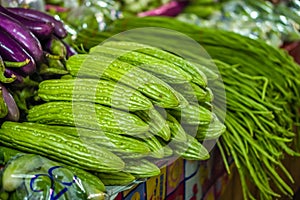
<point x="262" y="96"/>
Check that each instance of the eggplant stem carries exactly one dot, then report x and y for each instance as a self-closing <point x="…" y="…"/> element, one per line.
<point x="16" y="64"/>
<point x="55" y="57"/>
<point x="3" y="78"/>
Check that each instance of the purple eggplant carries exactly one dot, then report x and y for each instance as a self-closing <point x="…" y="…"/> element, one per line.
<point x="59" y="29"/>
<point x="42" y="30"/>
<point x="11" y="50"/>
<point x="22" y="35"/>
<point x="13" y="110"/>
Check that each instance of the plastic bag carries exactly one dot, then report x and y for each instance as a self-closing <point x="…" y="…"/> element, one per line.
<point x="35" y="4"/>
<point x="134" y="7"/>
<point x="29" y="176"/>
<point x="254" y="19"/>
<point x="93" y="15"/>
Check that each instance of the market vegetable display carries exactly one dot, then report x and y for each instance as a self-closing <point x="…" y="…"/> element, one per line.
<point x="146" y="123"/>
<point x="58" y="30"/>
<point x="119" y="178"/>
<point x="262" y="92"/>
<point x="110" y="112"/>
<point x="116" y="143"/>
<point x="113" y="111"/>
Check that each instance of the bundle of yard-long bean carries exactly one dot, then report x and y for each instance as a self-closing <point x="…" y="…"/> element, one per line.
<point x="255" y="137"/>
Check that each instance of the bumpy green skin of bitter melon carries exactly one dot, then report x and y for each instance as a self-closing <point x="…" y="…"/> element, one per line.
<point x="141" y="168"/>
<point x="191" y="92"/>
<point x="103" y="92"/>
<point x="155" y="146"/>
<point x="208" y="131"/>
<point x="62" y="148"/>
<point x="192" y="114"/>
<point x="159" y="92"/>
<point x="198" y="77"/>
<point x="212" y="131"/>
<point x="116" y="179"/>
<point x="177" y="131"/>
<point x="112" y="141"/>
<point x="191" y="149"/>
<point x="87" y="115"/>
<point x="157" y="123"/>
<point x="162" y="69"/>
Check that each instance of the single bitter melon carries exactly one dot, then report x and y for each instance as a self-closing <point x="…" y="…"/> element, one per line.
<point x="112" y="141"/>
<point x="62" y="148"/>
<point x="87" y="115"/>
<point x="104" y="92"/>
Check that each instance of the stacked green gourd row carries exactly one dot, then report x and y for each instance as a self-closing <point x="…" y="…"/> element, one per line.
<point x="118" y="111"/>
<point x="262" y="96"/>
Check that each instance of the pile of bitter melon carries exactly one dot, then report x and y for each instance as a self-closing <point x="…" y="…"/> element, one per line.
<point x="118" y="112"/>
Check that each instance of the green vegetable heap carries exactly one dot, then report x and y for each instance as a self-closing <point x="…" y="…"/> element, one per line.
<point x="262" y="96"/>
<point x="118" y="112"/>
